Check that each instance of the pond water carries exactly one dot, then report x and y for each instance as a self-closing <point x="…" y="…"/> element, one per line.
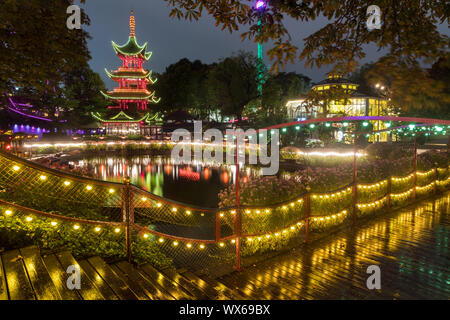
<point x="193" y="183"/>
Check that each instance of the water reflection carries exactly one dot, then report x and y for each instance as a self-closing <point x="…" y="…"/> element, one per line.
<point x="28" y="129"/>
<point x="194" y="183"/>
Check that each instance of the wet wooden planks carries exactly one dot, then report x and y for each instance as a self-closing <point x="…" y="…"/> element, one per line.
<point x="88" y="290"/>
<point x="42" y="284"/>
<point x="119" y="287"/>
<point x="173" y="288"/>
<point x="18" y="283"/>
<point x="25" y="274"/>
<point x="153" y="290"/>
<point x="216" y="291"/>
<point x="99" y="283"/>
<point x="59" y="277"/>
<point x="3" y="288"/>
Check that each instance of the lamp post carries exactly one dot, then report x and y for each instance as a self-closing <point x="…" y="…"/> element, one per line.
<point x="383" y="92"/>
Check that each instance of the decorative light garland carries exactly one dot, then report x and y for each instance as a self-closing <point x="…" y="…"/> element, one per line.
<point x="291" y="228"/>
<point x="370" y="186"/>
<point x="374" y="204"/>
<point x="329" y="217"/>
<point x="426" y="187"/>
<point x="410" y="129"/>
<point x="76" y="226"/>
<point x="403" y="194"/>
<point x="285" y="231"/>
<point x="403" y="178"/>
<point x="422" y="173"/>
<point x="332" y="195"/>
<point x="268" y="210"/>
<point x="66" y="182"/>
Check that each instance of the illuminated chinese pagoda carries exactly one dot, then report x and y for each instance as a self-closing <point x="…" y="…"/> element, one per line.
<point x="128" y="114"/>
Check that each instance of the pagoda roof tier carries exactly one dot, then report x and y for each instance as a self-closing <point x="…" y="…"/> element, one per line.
<point x="126" y="74"/>
<point x="130" y="94"/>
<point x="132" y="48"/>
<point x="122" y="117"/>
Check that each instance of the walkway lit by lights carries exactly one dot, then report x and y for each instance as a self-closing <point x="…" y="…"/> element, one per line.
<point x="331" y="154"/>
<point x="112" y="143"/>
<point x="84" y="144"/>
<point x="410" y="246"/>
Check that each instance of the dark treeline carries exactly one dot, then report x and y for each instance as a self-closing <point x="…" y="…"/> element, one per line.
<point x="227" y="89"/>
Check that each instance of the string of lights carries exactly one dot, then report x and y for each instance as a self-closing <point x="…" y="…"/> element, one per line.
<point x="77" y="225"/>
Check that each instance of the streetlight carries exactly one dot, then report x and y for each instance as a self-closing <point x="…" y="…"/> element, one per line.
<point x="260" y="5"/>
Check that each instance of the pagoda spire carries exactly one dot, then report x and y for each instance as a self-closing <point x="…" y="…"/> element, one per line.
<point x="132" y="24"/>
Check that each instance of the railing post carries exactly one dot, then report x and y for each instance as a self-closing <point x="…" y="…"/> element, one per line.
<point x="217" y="226"/>
<point x="355" y="180"/>
<point x="435" y="178"/>
<point x="415" y="168"/>
<point x="238" y="214"/>
<point x="307" y="213"/>
<point x="127" y="216"/>
<point x="388" y="196"/>
<point x="238" y="231"/>
<point x="448" y="150"/>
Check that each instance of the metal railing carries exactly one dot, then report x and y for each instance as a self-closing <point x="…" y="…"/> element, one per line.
<point x="191" y="236"/>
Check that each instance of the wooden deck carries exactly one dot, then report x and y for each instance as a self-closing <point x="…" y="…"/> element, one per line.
<point x="25" y="274"/>
<point x="411" y="247"/>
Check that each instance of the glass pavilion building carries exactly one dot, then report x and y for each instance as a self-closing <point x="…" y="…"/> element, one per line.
<point x="358" y="104"/>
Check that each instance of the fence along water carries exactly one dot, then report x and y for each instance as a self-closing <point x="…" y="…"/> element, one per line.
<point x="128" y="218"/>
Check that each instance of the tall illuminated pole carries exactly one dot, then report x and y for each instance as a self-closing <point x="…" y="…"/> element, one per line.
<point x="260" y="6"/>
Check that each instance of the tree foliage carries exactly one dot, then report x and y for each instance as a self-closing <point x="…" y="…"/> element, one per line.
<point x="227" y="88"/>
<point x="360" y="76"/>
<point x="46" y="62"/>
<point x="36" y="47"/>
<point x="82" y="96"/>
<point x="409" y="35"/>
<point x="415" y="88"/>
<point x="233" y="83"/>
<point x="408" y="29"/>
<point x="183" y="85"/>
<point x="420" y="91"/>
<point x="277" y="90"/>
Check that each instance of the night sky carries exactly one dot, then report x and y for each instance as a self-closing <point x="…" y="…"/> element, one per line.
<point x="171" y="39"/>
